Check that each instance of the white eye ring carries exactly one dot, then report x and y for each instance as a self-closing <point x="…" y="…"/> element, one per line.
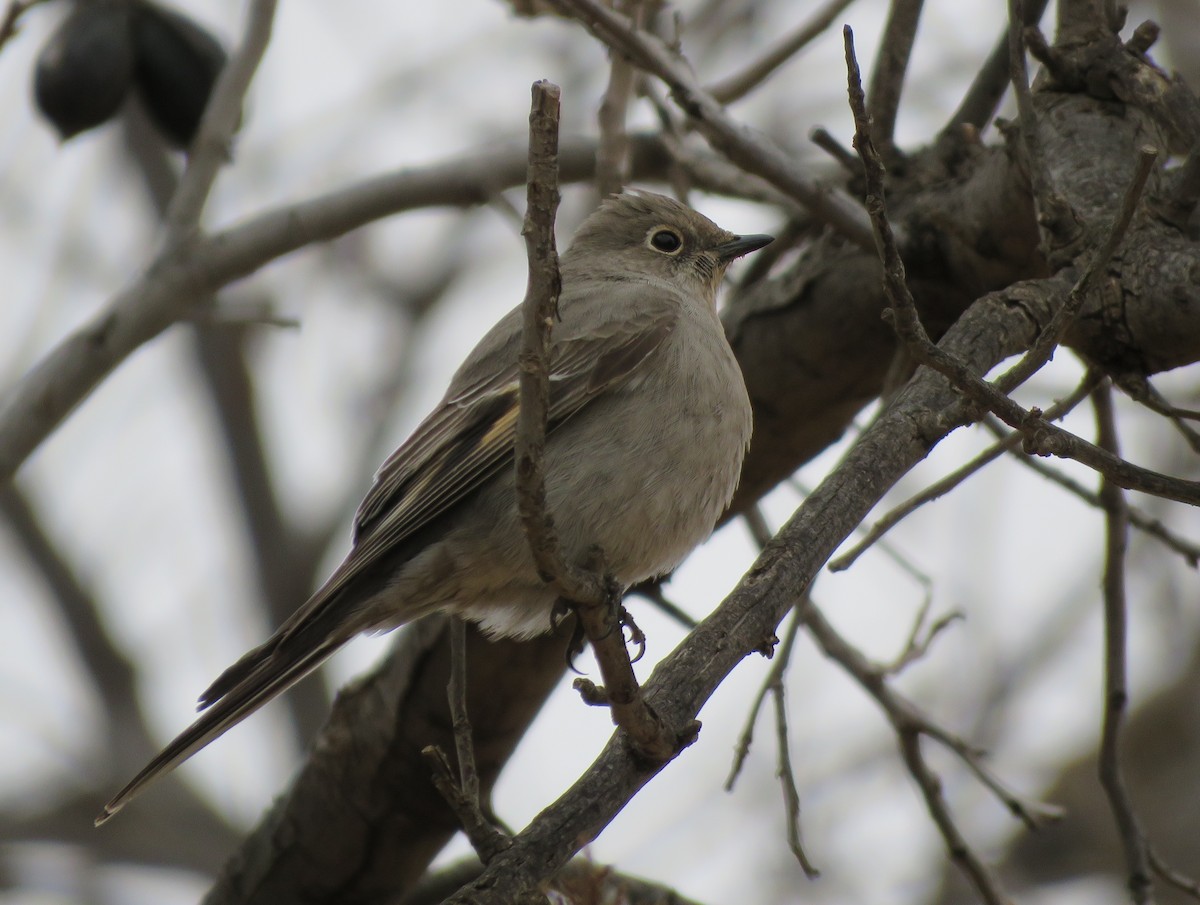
<point x="665" y="240"/>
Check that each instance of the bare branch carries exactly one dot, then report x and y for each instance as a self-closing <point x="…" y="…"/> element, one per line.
<point x="831" y="146"/>
<point x="736" y="86"/>
<point x="1043" y="348"/>
<point x="979" y="104"/>
<point x="909" y="725"/>
<point x="456" y="692"/>
<point x="1116" y="693"/>
<point x="587" y="590"/>
<point x="9" y="23"/>
<point x="774" y="686"/>
<point x="612" y="151"/>
<point x="113" y="676"/>
<point x="752" y="151"/>
<point x="787" y="779"/>
<point x="1041" y="437"/>
<point x="1140" y="389"/>
<point x="1057" y="224"/>
<point x="484" y="837"/>
<point x="891" y="63"/>
<point x="1172" y="877"/>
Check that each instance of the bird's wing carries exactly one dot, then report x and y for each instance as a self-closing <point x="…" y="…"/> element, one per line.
<point x="471" y="436"/>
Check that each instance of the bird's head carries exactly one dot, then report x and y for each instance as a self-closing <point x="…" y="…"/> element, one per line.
<point x="644" y="233"/>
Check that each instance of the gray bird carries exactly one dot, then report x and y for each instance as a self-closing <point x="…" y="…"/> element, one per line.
<point x="648" y="423"/>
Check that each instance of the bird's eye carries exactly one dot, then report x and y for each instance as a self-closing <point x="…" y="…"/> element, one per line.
<point x="666" y="241"/>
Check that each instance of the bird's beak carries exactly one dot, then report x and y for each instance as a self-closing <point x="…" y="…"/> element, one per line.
<point x="741" y="245"/>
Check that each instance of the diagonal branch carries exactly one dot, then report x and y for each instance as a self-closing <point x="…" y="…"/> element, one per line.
<point x="112" y="675"/>
<point x="210" y="149"/>
<point x="739" y="84"/>
<point x="752" y="151"/>
<point x="979" y="104"/>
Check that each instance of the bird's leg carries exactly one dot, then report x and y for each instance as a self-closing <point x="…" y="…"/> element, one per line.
<point x="648" y="735"/>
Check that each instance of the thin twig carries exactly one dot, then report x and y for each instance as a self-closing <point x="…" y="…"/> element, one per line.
<point x="1172" y="877"/>
<point x="787" y="778"/>
<point x="1041" y="437"/>
<point x="773" y="685"/>
<point x="1043" y="347"/>
<point x="1141" y="390"/>
<point x="736" y="86"/>
<point x="910" y="724"/>
<point x="903" y="307"/>
<point x="12" y="14"/>
<point x="831" y="146"/>
<point x="112" y="674"/>
<point x="1116" y="693"/>
<point x="742" y="750"/>
<point x="540" y="311"/>
<point x="1045" y="439"/>
<point x="921" y="638"/>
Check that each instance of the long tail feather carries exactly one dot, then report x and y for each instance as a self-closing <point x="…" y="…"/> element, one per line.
<point x="260" y="677"/>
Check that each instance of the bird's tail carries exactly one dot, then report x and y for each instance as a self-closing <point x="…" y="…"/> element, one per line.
<point x="256" y="678"/>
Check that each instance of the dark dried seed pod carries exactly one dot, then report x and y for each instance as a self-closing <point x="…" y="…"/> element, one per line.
<point x="177" y="63"/>
<point x="85" y="69"/>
